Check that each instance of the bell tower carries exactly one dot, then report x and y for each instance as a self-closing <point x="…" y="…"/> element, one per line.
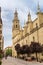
<point x="29" y="23"/>
<point x="16" y="24"/>
<point x="29" y="17"/>
<point x="15" y="31"/>
<point x="16" y="21"/>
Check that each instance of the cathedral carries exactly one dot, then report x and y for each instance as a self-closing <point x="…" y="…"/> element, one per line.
<point x="1" y="34"/>
<point x="32" y="30"/>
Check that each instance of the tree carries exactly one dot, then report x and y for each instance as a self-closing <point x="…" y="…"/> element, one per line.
<point x="17" y="48"/>
<point x="9" y="52"/>
<point x="35" y="48"/>
<point x="28" y="50"/>
<point x="25" y="49"/>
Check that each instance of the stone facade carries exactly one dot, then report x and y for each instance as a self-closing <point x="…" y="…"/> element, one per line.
<point x="32" y="31"/>
<point x="1" y="35"/>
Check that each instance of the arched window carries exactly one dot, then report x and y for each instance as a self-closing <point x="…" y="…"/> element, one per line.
<point x="33" y="39"/>
<point x="16" y="26"/>
<point x="36" y="25"/>
<point x="26" y="41"/>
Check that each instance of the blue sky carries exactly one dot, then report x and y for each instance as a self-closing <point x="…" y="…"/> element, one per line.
<point x="8" y="9"/>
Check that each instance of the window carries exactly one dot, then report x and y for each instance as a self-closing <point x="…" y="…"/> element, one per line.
<point x="36" y="25"/>
<point x="26" y="41"/>
<point x="16" y="26"/>
<point x="33" y="39"/>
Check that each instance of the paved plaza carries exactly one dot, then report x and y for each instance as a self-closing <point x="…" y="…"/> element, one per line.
<point x="14" y="61"/>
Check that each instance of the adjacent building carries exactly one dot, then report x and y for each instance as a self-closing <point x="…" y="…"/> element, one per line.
<point x="1" y="34"/>
<point x="32" y="30"/>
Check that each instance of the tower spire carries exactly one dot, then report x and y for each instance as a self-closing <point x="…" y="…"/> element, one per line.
<point x="29" y="13"/>
<point x="16" y="14"/>
<point x="16" y="21"/>
<point x="38" y="8"/>
<point x="29" y="17"/>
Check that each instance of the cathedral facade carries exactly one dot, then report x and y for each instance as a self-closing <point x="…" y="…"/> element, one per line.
<point x="32" y="31"/>
<point x="1" y="34"/>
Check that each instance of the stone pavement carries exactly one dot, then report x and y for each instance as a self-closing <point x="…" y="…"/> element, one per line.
<point x="15" y="61"/>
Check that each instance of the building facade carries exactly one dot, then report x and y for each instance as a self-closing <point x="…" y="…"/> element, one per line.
<point x="32" y="30"/>
<point x="1" y="34"/>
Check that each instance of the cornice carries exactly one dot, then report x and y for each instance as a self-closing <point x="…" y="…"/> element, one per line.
<point x="32" y="31"/>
